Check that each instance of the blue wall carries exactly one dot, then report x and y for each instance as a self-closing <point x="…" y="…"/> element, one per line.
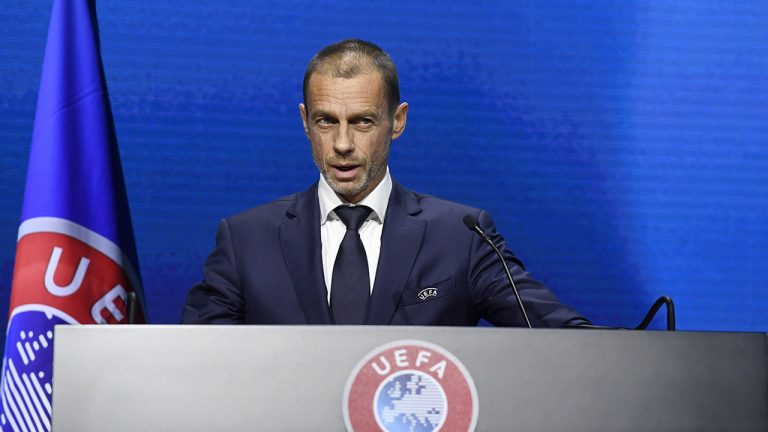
<point x="622" y="148"/>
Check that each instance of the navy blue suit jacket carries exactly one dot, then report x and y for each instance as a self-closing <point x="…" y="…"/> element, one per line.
<point x="266" y="269"/>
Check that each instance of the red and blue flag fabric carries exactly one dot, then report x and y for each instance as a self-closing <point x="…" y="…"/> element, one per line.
<point x="75" y="255"/>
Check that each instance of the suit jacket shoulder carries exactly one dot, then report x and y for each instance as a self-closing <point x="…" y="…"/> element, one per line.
<point x="272" y="212"/>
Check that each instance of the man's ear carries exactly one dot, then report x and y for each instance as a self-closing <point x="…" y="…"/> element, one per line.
<point x="303" y="111"/>
<point x="399" y="120"/>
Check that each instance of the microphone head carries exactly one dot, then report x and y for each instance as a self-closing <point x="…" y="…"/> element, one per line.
<point x="471" y="222"/>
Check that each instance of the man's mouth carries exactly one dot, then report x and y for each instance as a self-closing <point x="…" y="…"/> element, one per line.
<point x="345" y="171"/>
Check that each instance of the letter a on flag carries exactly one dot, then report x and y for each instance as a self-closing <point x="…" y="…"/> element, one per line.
<point x="75" y="256"/>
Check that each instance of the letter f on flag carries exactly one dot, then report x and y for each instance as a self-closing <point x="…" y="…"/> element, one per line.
<point x="75" y="256"/>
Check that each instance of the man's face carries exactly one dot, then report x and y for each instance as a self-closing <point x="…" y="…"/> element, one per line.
<point x="348" y="124"/>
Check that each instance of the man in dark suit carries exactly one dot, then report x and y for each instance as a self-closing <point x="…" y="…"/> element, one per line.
<point x="357" y="247"/>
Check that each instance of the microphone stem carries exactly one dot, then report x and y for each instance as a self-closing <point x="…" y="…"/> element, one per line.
<point x="509" y="275"/>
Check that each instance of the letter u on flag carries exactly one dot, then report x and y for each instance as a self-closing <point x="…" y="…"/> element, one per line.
<point x="75" y="256"/>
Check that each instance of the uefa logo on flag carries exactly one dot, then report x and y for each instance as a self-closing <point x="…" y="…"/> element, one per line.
<point x="410" y="385"/>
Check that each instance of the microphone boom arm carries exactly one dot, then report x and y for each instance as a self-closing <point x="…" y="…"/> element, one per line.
<point x="473" y="225"/>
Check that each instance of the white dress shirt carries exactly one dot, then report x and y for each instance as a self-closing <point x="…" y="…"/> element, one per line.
<point x="332" y="229"/>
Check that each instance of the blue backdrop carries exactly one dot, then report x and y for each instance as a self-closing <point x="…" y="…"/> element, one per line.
<point x="621" y="147"/>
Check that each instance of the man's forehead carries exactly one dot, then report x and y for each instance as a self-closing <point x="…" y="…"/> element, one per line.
<point x="368" y="76"/>
<point x="362" y="91"/>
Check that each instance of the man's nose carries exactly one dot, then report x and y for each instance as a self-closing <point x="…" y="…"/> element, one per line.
<point x="344" y="143"/>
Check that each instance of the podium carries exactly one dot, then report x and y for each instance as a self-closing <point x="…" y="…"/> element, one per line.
<point x="294" y="378"/>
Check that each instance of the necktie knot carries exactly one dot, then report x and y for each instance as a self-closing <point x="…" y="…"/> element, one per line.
<point x="353" y="217"/>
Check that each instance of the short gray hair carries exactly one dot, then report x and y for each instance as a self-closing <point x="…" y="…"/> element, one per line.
<point x="348" y="58"/>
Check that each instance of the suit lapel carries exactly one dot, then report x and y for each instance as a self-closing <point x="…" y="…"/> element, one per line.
<point x="400" y="243"/>
<point x="300" y="239"/>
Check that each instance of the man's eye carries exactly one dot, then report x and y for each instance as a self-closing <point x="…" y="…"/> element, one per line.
<point x="324" y="121"/>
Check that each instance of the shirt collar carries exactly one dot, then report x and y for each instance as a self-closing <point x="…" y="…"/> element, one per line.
<point x="377" y="200"/>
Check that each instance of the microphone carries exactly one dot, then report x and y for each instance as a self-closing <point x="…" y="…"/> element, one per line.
<point x="472" y="223"/>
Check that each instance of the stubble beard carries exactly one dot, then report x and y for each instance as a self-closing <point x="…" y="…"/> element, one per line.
<point x="372" y="169"/>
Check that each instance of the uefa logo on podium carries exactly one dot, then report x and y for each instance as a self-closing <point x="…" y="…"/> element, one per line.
<point x="410" y="385"/>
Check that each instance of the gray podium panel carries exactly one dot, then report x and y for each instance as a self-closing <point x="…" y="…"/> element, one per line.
<point x="219" y="378"/>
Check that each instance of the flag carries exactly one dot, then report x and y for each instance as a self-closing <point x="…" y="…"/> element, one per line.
<point x="75" y="255"/>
